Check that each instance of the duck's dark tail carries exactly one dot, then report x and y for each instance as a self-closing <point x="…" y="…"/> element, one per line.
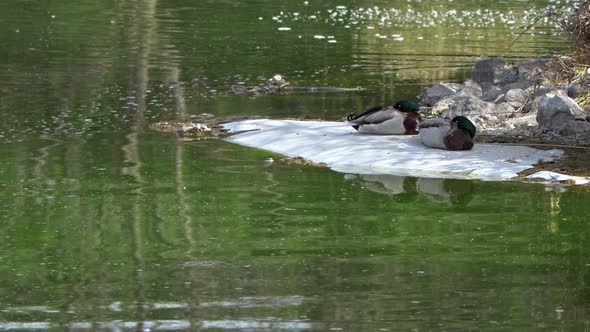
<point x="354" y="116"/>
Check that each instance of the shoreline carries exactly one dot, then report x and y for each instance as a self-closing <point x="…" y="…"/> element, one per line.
<point x="575" y="161"/>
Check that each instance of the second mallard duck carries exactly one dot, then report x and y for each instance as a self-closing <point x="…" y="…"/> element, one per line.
<point x="456" y="134"/>
<point x="401" y="119"/>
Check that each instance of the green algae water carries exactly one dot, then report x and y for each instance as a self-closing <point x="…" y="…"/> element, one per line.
<point x="108" y="226"/>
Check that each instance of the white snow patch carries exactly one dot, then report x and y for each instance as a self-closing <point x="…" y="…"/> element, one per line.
<point x="344" y="150"/>
<point x="557" y="177"/>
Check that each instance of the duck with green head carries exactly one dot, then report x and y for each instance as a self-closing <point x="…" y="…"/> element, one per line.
<point x="401" y="119"/>
<point x="455" y="135"/>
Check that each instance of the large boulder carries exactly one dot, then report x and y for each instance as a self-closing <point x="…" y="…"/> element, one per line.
<point x="431" y="95"/>
<point x="493" y="70"/>
<point x="556" y="109"/>
<point x="461" y="105"/>
<point x="483" y="114"/>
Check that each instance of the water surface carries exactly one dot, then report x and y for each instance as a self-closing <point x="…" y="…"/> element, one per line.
<point x="107" y="225"/>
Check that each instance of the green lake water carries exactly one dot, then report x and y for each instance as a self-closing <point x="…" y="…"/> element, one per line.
<point x="106" y="225"/>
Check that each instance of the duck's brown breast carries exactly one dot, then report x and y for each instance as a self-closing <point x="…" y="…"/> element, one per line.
<point x="411" y="122"/>
<point x="458" y="140"/>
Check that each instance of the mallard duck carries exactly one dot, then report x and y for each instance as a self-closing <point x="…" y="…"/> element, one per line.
<point x="401" y="119"/>
<point x="455" y="135"/>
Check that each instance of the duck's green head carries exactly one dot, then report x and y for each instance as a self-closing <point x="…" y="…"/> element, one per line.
<point x="464" y="123"/>
<point x="406" y="106"/>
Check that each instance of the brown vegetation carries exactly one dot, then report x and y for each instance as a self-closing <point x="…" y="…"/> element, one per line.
<point x="575" y="66"/>
<point x="576" y="24"/>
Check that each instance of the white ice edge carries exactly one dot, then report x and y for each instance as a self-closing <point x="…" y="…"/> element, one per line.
<point x="344" y="150"/>
<point x="551" y="177"/>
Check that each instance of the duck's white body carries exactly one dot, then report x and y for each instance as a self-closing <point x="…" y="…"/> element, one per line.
<point x="401" y="119"/>
<point x="455" y="135"/>
<point x="385" y="122"/>
<point x="432" y="132"/>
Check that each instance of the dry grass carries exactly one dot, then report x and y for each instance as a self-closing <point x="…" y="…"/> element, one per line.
<point x="575" y="22"/>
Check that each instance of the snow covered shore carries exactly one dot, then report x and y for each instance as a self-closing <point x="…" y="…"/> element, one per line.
<point x="344" y="150"/>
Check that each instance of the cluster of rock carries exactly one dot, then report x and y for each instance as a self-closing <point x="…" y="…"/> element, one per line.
<point x="296" y="161"/>
<point x="516" y="100"/>
<point x="199" y="126"/>
<point x="182" y="128"/>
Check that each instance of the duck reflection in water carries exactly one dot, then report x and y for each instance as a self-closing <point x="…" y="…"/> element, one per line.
<point x="408" y="189"/>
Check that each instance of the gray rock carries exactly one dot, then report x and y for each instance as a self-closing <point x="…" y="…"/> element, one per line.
<point x="461" y="105"/>
<point x="486" y="87"/>
<point x="532" y="70"/>
<point x="574" y="90"/>
<point x="493" y="70"/>
<point x="483" y="114"/>
<point x="504" y="110"/>
<point x="431" y="95"/>
<point x="495" y="93"/>
<point x="527" y="121"/>
<point x="532" y="107"/>
<point x="570" y="132"/>
<point x="543" y="90"/>
<point x="517" y="97"/>
<point x="539" y="94"/>
<point x="574" y="128"/>
<point x="557" y="109"/>
<point x="526" y="84"/>
<point x="501" y="100"/>
<point x="492" y="94"/>
<point x="471" y="87"/>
